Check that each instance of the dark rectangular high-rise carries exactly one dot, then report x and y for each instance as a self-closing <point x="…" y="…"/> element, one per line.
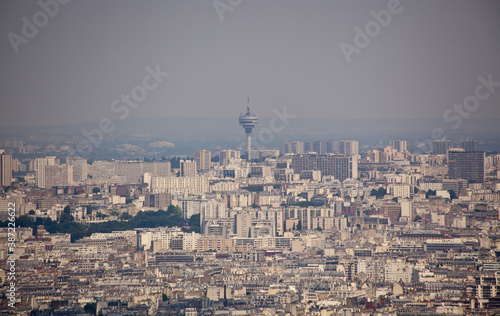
<point x="308" y="146"/>
<point x="468" y="165"/>
<point x="469" y="145"/>
<point x="340" y="166"/>
<point x="312" y="146"/>
<point x="400" y="146"/>
<point x="333" y="147"/>
<point x="203" y="158"/>
<point x="440" y="147"/>
<point x="317" y="147"/>
<point x="295" y="147"/>
<point x="5" y="169"/>
<point x="348" y="147"/>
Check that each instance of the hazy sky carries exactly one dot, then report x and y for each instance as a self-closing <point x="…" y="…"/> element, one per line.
<point x="280" y="53"/>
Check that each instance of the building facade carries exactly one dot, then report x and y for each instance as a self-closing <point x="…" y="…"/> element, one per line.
<point x="468" y="165"/>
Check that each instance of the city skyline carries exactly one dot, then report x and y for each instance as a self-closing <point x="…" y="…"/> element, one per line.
<point x="237" y="157"/>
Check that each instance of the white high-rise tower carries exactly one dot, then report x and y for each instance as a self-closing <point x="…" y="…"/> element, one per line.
<point x="248" y="122"/>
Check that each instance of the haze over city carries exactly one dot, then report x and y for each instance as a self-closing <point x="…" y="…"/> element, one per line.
<point x="280" y="53"/>
<point x="250" y="157"/>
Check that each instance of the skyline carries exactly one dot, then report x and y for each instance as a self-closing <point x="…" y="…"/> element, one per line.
<point x="426" y="59"/>
<point x="250" y="157"/>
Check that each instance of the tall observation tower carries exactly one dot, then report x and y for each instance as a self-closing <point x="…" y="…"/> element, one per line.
<point x="248" y="122"/>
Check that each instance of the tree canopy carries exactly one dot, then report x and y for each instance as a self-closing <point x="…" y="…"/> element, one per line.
<point x="430" y="193"/>
<point x="379" y="194"/>
<point x="254" y="188"/>
<point x="149" y="219"/>
<point x="453" y="195"/>
<point x="299" y="225"/>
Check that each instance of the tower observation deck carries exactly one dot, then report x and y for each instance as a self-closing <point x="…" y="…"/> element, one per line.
<point x="248" y="122"/>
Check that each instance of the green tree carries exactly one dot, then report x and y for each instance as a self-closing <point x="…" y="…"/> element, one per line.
<point x="67" y="210"/>
<point x="31" y="212"/>
<point x="418" y="218"/>
<point x="164" y="297"/>
<point x="90" y="308"/>
<point x="96" y="190"/>
<point x="299" y="225"/>
<point x="149" y="219"/>
<point x="430" y="193"/>
<point x="65" y="218"/>
<point x="125" y="216"/>
<point x="66" y="215"/>
<point x="378" y="193"/>
<point x="194" y="223"/>
<point x="174" y="210"/>
<point x="254" y="188"/>
<point x="101" y="215"/>
<point x="23" y="221"/>
<point x="453" y="195"/>
<point x="381" y="192"/>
